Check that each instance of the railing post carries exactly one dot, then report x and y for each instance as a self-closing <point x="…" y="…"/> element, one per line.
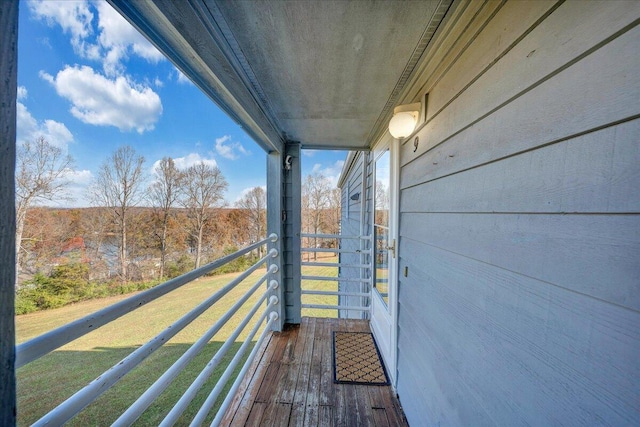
<point x="291" y="235"/>
<point x="283" y="218"/>
<point x="274" y="227"/>
<point x="367" y="210"/>
<point x="8" y="91"/>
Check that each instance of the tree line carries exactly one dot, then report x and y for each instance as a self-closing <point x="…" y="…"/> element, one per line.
<point x="136" y="235"/>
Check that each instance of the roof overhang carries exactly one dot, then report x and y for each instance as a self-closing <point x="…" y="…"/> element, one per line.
<point x="326" y="74"/>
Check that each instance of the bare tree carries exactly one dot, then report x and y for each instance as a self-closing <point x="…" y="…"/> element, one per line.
<point x="46" y="234"/>
<point x="119" y="186"/>
<point x="203" y="189"/>
<point x="316" y="192"/>
<point x="382" y="204"/>
<point x="164" y="194"/>
<point x="40" y="176"/>
<point x="333" y="216"/>
<point x="254" y="203"/>
<point x="95" y="223"/>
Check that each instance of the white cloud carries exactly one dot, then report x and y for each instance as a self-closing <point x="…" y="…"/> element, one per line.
<point x="57" y="131"/>
<point x="73" y="16"/>
<point x="79" y="177"/>
<point x="228" y="149"/>
<point x="331" y="172"/>
<point x="25" y="122"/>
<point x="247" y="190"/>
<point x="309" y="153"/>
<point x="181" y="78"/>
<point x="44" y="41"/>
<point x="100" y="101"/>
<point x="119" y="39"/>
<point x="191" y="159"/>
<point x="22" y="93"/>
<point x="111" y="40"/>
<point x="77" y="190"/>
<point x="28" y="129"/>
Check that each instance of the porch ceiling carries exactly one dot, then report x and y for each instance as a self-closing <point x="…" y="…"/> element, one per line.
<point x="324" y="73"/>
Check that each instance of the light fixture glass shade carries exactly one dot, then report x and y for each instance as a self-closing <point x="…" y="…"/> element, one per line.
<point x="402" y="124"/>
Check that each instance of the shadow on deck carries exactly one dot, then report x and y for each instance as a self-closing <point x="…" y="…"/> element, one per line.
<point x="291" y="383"/>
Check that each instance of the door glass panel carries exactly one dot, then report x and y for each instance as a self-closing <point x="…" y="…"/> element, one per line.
<point x="381" y="226"/>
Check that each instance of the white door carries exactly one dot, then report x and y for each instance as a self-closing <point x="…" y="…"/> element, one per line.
<point x="385" y="236"/>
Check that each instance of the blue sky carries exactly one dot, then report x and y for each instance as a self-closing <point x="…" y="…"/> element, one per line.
<point x="89" y="83"/>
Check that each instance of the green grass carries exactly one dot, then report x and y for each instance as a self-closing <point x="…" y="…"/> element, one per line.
<point x="48" y="381"/>
<point x="45" y="383"/>
<point x="320" y="285"/>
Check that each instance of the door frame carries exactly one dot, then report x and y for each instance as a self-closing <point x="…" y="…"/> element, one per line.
<point x="384" y="320"/>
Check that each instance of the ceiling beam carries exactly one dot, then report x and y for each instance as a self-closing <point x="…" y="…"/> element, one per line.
<point x="195" y="44"/>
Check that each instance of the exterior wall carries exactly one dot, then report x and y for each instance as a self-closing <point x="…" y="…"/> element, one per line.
<point x="351" y="218"/>
<point x="519" y="220"/>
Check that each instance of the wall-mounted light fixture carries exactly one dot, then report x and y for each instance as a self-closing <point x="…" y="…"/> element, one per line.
<point x="355" y="197"/>
<point x="404" y="120"/>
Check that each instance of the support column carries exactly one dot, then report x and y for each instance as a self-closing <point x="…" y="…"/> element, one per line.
<point x="8" y="93"/>
<point x="274" y="225"/>
<point x="283" y="218"/>
<point x="291" y="238"/>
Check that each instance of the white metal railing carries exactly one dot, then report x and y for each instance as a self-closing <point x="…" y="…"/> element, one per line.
<point x="356" y="274"/>
<point x="37" y="347"/>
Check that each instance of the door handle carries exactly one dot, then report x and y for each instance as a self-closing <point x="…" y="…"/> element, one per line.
<point x="392" y="248"/>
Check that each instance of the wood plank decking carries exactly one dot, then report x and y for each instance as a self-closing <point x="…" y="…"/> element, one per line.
<point x="291" y="384"/>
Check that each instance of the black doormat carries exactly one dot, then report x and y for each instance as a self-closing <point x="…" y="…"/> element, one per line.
<point x="356" y="359"/>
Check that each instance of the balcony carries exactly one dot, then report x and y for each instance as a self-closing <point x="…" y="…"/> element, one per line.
<point x="290" y="383"/>
<point x="513" y="204"/>
<point x="287" y="376"/>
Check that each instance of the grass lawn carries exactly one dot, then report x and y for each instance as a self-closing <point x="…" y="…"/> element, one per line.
<point x="320" y="285"/>
<point x="48" y="381"/>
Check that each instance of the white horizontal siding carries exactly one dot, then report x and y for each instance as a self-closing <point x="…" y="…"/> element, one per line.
<point x="520" y="221"/>
<point x="350" y="226"/>
<point x="505" y="347"/>
<point x="582" y="174"/>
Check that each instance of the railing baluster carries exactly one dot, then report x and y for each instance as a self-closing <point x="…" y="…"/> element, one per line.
<point x="147" y="398"/>
<point x="339" y="251"/>
<point x="335" y="307"/>
<point x="204" y="375"/>
<point x="334" y="236"/>
<point x="211" y="399"/>
<point x="364" y="280"/>
<point x="54" y="339"/>
<point x="273" y="316"/>
<point x="42" y="345"/>
<point x="37" y="347"/>
<point x="332" y="279"/>
<point x="333" y="264"/>
<point x="334" y="293"/>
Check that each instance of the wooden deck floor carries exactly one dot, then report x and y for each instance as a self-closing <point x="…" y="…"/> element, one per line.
<point x="291" y="384"/>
